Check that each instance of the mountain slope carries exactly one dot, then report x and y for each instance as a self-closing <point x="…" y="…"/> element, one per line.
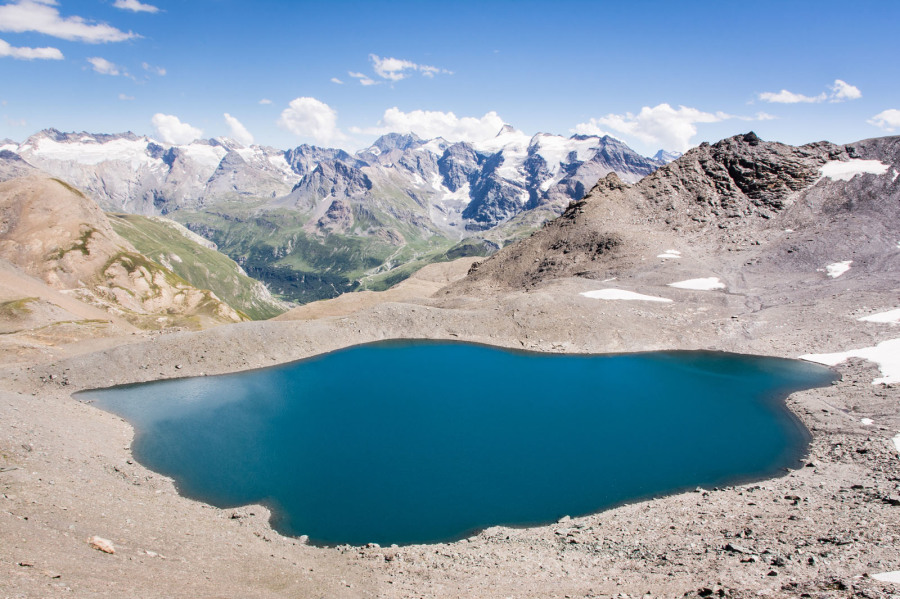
<point x="54" y="232"/>
<point x="171" y="245"/>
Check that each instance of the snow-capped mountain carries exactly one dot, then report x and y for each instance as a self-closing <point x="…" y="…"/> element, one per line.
<point x="458" y="186"/>
<point x="137" y="174"/>
<point x="313" y="222"/>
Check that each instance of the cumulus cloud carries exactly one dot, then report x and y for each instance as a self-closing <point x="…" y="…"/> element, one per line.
<point x="239" y="133"/>
<point x="662" y="125"/>
<point x="29" y="53"/>
<point x="432" y="123"/>
<point x="170" y="129"/>
<point x="153" y="69"/>
<point x="886" y="119"/>
<point x="363" y="78"/>
<point x="42" y="16"/>
<point x="395" y="69"/>
<point x="265" y="101"/>
<point x="135" y="6"/>
<point x="840" y="91"/>
<point x="103" y="66"/>
<point x="311" y="118"/>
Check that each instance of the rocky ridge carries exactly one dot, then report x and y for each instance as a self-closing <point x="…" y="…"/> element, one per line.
<point x="725" y="194"/>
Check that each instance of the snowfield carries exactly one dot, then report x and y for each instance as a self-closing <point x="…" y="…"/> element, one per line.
<point x="890" y="317"/>
<point x="704" y="284"/>
<point x="621" y="294"/>
<point x="844" y="170"/>
<point x="886" y="355"/>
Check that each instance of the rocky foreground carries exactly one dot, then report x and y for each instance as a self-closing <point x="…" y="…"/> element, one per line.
<point x="781" y="279"/>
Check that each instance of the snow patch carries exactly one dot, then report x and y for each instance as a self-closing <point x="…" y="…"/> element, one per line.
<point x="896" y="441"/>
<point x="886" y="355"/>
<point x="836" y="269"/>
<point x="515" y="150"/>
<point x="704" y="284"/>
<point x="893" y="577"/>
<point x="436" y="146"/>
<point x="621" y="294"/>
<point x="670" y="254"/>
<point x="555" y="149"/>
<point x="9" y="148"/>
<point x="844" y="170"/>
<point x="866" y="421"/>
<point x="204" y="155"/>
<point x="891" y="317"/>
<point x="894" y="178"/>
<point x="281" y="163"/>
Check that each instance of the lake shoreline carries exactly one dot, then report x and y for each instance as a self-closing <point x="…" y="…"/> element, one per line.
<point x="828" y="521"/>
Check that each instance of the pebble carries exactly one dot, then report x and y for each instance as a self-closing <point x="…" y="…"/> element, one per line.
<point x="101" y="544"/>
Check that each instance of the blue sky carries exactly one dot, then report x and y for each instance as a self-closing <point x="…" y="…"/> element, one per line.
<point x="655" y="74"/>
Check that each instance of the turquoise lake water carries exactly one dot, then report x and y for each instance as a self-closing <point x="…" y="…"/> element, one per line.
<point x="410" y="442"/>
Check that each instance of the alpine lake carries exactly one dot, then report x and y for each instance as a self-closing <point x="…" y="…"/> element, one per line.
<point x="419" y="442"/>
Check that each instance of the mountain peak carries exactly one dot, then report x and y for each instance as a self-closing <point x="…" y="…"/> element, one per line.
<point x="397" y="141"/>
<point x="666" y="156"/>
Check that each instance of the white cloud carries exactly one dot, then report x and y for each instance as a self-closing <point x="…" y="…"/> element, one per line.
<point x="265" y="101"/>
<point x="431" y="123"/>
<point x="840" y="91"/>
<point x="336" y="80"/>
<point x="786" y="97"/>
<point x="765" y="116"/>
<point x="311" y="118"/>
<point x="125" y="97"/>
<point x="170" y="129"/>
<point x="153" y="69"/>
<point x="29" y="53"/>
<point x="103" y="66"/>
<point x="395" y="69"/>
<point x="135" y="6"/>
<point x="391" y="68"/>
<point x="886" y="119"/>
<point x="661" y="125"/>
<point x="42" y="16"/>
<point x="238" y="132"/>
<point x="363" y="78"/>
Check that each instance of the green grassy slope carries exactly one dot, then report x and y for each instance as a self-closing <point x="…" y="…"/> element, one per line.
<point x="200" y="266"/>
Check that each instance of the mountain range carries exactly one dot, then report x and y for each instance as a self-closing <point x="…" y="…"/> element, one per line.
<point x="314" y="222"/>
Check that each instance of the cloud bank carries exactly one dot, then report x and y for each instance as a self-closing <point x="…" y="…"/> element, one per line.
<point x="840" y="92"/>
<point x="431" y="123"/>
